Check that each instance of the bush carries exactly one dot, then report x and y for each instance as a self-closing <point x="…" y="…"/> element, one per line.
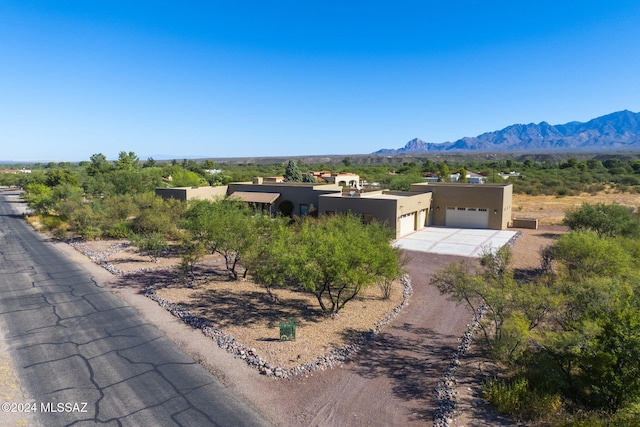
<point x="152" y="245"/>
<point x="61" y="231"/>
<point x="119" y="230"/>
<point x="515" y="398"/>
<point x="286" y="208"/>
<point x="90" y="232"/>
<point x="50" y="222"/>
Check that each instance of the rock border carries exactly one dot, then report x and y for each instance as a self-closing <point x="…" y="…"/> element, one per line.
<point x="445" y="395"/>
<point x="228" y="342"/>
<point x="249" y="355"/>
<point x="99" y="257"/>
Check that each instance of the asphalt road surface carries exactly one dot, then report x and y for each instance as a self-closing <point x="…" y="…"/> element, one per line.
<point x="84" y="357"/>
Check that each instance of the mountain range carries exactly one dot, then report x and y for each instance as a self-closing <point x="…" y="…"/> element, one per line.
<point x="612" y="132"/>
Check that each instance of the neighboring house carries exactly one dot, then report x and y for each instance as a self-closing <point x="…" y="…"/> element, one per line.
<point x="510" y="175"/>
<point x="188" y="193"/>
<point x="15" y="171"/>
<point x="426" y="204"/>
<point x="472" y="178"/>
<point x="345" y="179"/>
<point x="476" y="178"/>
<point x="273" y="179"/>
<point x="431" y="177"/>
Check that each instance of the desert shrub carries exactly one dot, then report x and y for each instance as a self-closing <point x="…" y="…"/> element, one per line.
<point x="192" y="254"/>
<point x="90" y="232"/>
<point x="516" y="398"/>
<point x="119" y="230"/>
<point x="49" y="222"/>
<point x="619" y="419"/>
<point x="151" y="245"/>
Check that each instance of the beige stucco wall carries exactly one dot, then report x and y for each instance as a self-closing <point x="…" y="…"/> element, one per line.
<point x="384" y="206"/>
<point x="496" y="198"/>
<point x="188" y="193"/>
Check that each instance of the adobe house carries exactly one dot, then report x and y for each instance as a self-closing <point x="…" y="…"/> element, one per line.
<point x="426" y="204"/>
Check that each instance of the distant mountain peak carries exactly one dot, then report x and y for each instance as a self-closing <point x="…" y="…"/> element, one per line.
<point x="615" y="131"/>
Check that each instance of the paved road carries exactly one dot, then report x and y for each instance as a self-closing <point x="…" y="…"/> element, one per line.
<point x="73" y="342"/>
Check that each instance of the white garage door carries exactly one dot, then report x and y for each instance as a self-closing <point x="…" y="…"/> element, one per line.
<point x="467" y="217"/>
<point x="422" y="219"/>
<point x="407" y="224"/>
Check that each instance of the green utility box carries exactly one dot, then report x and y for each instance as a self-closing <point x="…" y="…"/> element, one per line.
<point x="288" y="330"/>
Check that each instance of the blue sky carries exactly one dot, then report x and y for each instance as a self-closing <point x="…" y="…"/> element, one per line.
<point x="255" y="78"/>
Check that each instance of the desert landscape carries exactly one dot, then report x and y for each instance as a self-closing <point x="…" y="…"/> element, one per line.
<point x="244" y="311"/>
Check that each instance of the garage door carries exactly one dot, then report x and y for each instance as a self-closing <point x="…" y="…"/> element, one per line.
<point x="422" y="219"/>
<point x="467" y="217"/>
<point x="407" y="224"/>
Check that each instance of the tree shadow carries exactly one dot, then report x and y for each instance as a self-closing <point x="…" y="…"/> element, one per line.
<point x="527" y="274"/>
<point x="143" y="279"/>
<point x="228" y="308"/>
<point x="414" y="359"/>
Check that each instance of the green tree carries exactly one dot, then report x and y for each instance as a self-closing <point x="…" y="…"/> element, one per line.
<point x="185" y="178"/>
<point x="149" y="163"/>
<point x="604" y="219"/>
<point x="224" y="226"/>
<point x="308" y="177"/>
<point x="444" y="172"/>
<point x="99" y="165"/>
<point x="463" y="175"/>
<point x="208" y="164"/>
<point x="338" y="256"/>
<point x="270" y="260"/>
<point x="156" y="215"/>
<point x="292" y="172"/>
<point x="127" y="161"/>
<point x="40" y="198"/>
<point x="584" y="254"/>
<point x="511" y="310"/>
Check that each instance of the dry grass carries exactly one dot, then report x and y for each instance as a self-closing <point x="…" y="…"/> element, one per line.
<point x="550" y="210"/>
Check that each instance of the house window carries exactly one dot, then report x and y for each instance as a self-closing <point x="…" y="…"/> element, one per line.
<point x="304" y="210"/>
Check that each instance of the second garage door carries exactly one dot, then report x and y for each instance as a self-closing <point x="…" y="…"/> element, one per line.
<point x="467" y="217"/>
<point x="407" y="224"/>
